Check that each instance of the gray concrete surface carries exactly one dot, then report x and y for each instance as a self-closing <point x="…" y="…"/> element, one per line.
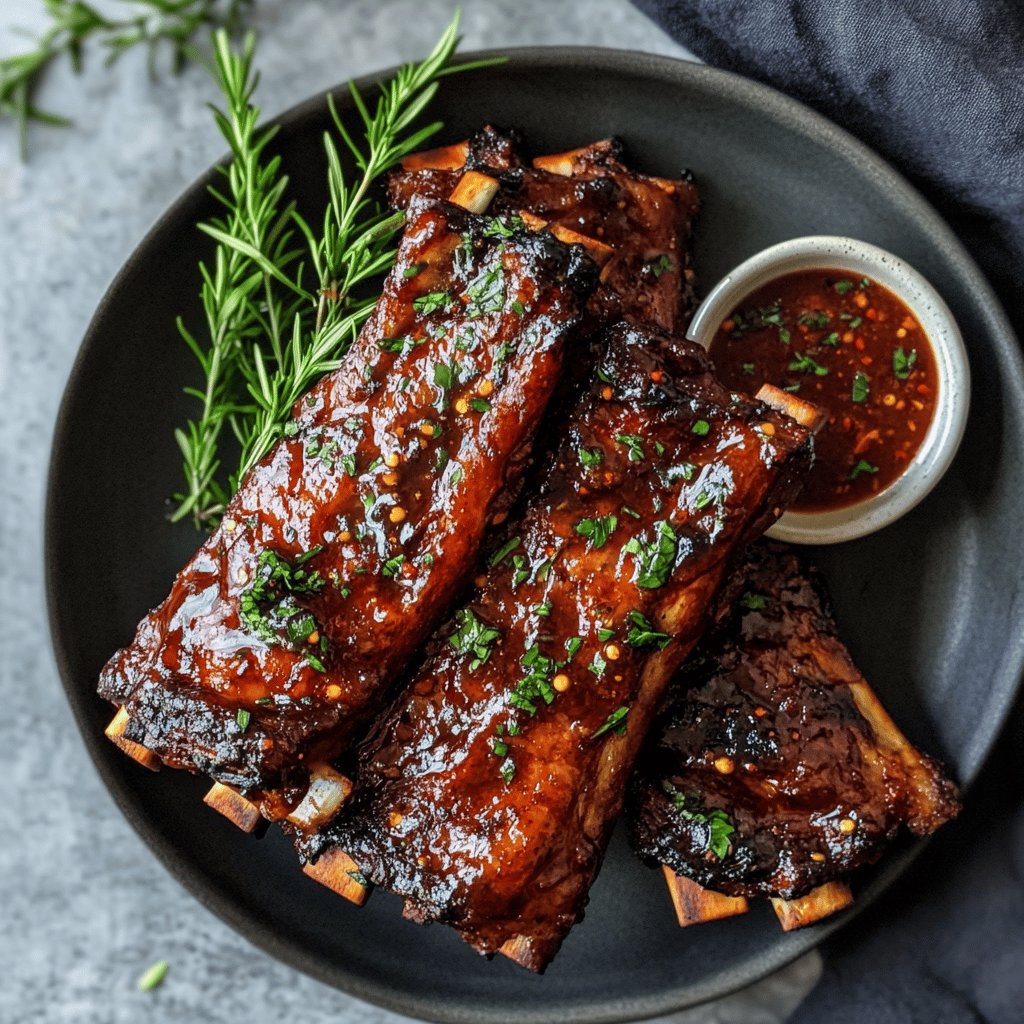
<point x="85" y="906"/>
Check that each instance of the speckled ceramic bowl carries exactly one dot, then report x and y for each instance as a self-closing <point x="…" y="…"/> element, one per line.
<point x="934" y="456"/>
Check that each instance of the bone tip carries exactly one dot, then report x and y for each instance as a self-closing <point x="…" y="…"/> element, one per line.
<point x="236" y="808"/>
<point x="136" y="751"/>
<point x="336" y="870"/>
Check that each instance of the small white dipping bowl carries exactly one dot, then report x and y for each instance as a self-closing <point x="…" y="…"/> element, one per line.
<point x="933" y="457"/>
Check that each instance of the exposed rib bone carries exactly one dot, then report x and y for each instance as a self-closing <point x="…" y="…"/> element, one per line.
<point x="340" y="873"/>
<point x="819" y="903"/>
<point x="565" y="163"/>
<point x="807" y="414"/>
<point x="474" y="192"/>
<point x="328" y="790"/>
<point x="695" y="905"/>
<point x="444" y="158"/>
<point x="136" y="751"/>
<point x="598" y="251"/>
<point x="517" y="949"/>
<point x="229" y="802"/>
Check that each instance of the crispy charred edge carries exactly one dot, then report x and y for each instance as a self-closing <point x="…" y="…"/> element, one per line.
<point x="240" y="763"/>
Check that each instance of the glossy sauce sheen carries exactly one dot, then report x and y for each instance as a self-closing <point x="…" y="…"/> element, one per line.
<point x="767" y="723"/>
<point x="847" y="344"/>
<point x="494" y="819"/>
<point x="386" y="483"/>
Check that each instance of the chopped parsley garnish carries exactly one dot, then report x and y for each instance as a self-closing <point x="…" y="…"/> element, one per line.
<point x="597" y="530"/>
<point x="242" y="718"/>
<point x="816" y="319"/>
<point x="598" y="664"/>
<point x="412" y="271"/>
<point x="486" y="293"/>
<point x="853" y="322"/>
<point x="432" y="302"/>
<point x="842" y="287"/>
<point x="267" y="607"/>
<point x="862" y="467"/>
<point x="805" y="364"/>
<point x="504" y="551"/>
<point x="701" y="428"/>
<point x="399" y="344"/>
<point x="348" y="463"/>
<point x="392" y="565"/>
<point x="831" y="339"/>
<point x="543" y="609"/>
<point x="480" y="405"/>
<point x="748" y="369"/>
<point x="518" y="308"/>
<point x="508" y="771"/>
<point x="655" y="558"/>
<point x="719" y="827"/>
<point x="358" y="877"/>
<point x="153" y="976"/>
<point x="861" y="387"/>
<point x="440" y="460"/>
<point x="504" y="351"/>
<point x="642" y="633"/>
<point x="590" y="457"/>
<point x="572" y="647"/>
<point x="616" y="720"/>
<point x="474" y="637"/>
<point x="605" y="634"/>
<point x="536" y="684"/>
<point x="503" y="227"/>
<point x="660" y="266"/>
<point x="499" y="748"/>
<point x="635" y="445"/>
<point x="903" y="362"/>
<point x="754" y="602"/>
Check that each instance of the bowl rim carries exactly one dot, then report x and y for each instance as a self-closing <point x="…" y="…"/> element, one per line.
<point x="939" y="446"/>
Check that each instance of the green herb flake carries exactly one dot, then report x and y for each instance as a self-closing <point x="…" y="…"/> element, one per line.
<point x="412" y="271"/>
<point x="719" y="828"/>
<point x="508" y="771"/>
<point x="655" y="558"/>
<point x="616" y="720"/>
<point x="642" y="633"/>
<point x="805" y="364"/>
<point x="634" y="443"/>
<point x="903" y="362"/>
<point x="543" y="609"/>
<point x="499" y="748"/>
<point x="748" y="369"/>
<point x="518" y="308"/>
<point x="842" y="287"/>
<point x="815" y="319"/>
<point x="358" y="877"/>
<point x="831" y="339"/>
<point x="590" y="457"/>
<point x="862" y="467"/>
<point x="861" y="387"/>
<point x="473" y="637"/>
<point x="605" y="634"/>
<point x="597" y="530"/>
<point x="754" y="602"/>
<point x="153" y="977"/>
<point x="480" y="405"/>
<point x="392" y="565"/>
<point x="504" y="551"/>
<point x="701" y="428"/>
<point x="660" y="266"/>
<point x="598" y="665"/>
<point x="432" y="302"/>
<point x="242" y="718"/>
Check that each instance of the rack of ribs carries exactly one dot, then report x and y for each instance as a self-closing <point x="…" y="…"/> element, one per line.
<point x="486" y="795"/>
<point x="348" y="544"/>
<point x="774" y="770"/>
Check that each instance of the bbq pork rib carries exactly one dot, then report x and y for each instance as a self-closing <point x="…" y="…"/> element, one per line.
<point x="774" y="770"/>
<point x="487" y="794"/>
<point x="346" y="546"/>
<point x="641" y="224"/>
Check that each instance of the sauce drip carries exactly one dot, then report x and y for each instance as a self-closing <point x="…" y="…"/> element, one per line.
<point x="851" y="346"/>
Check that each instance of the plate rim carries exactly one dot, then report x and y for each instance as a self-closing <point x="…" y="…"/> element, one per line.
<point x="801" y="119"/>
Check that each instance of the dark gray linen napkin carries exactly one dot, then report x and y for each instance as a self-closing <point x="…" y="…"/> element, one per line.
<point x="938" y="89"/>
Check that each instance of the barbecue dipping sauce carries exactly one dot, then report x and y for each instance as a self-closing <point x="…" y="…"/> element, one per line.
<point x="851" y="346"/>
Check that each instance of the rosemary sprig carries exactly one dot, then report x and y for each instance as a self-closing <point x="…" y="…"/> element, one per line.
<point x="154" y="24"/>
<point x="356" y="242"/>
<point x="253" y="291"/>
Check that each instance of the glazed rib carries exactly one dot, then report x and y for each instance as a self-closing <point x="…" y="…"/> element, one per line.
<point x="772" y="731"/>
<point x="348" y="543"/>
<point x="645" y="221"/>
<point x="487" y="794"/>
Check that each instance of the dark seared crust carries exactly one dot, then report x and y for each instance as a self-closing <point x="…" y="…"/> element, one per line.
<point x="433" y="819"/>
<point x="642" y="218"/>
<point x="774" y="690"/>
<point x="194" y="663"/>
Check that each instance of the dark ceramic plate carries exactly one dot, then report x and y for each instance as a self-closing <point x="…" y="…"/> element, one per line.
<point x="928" y="605"/>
